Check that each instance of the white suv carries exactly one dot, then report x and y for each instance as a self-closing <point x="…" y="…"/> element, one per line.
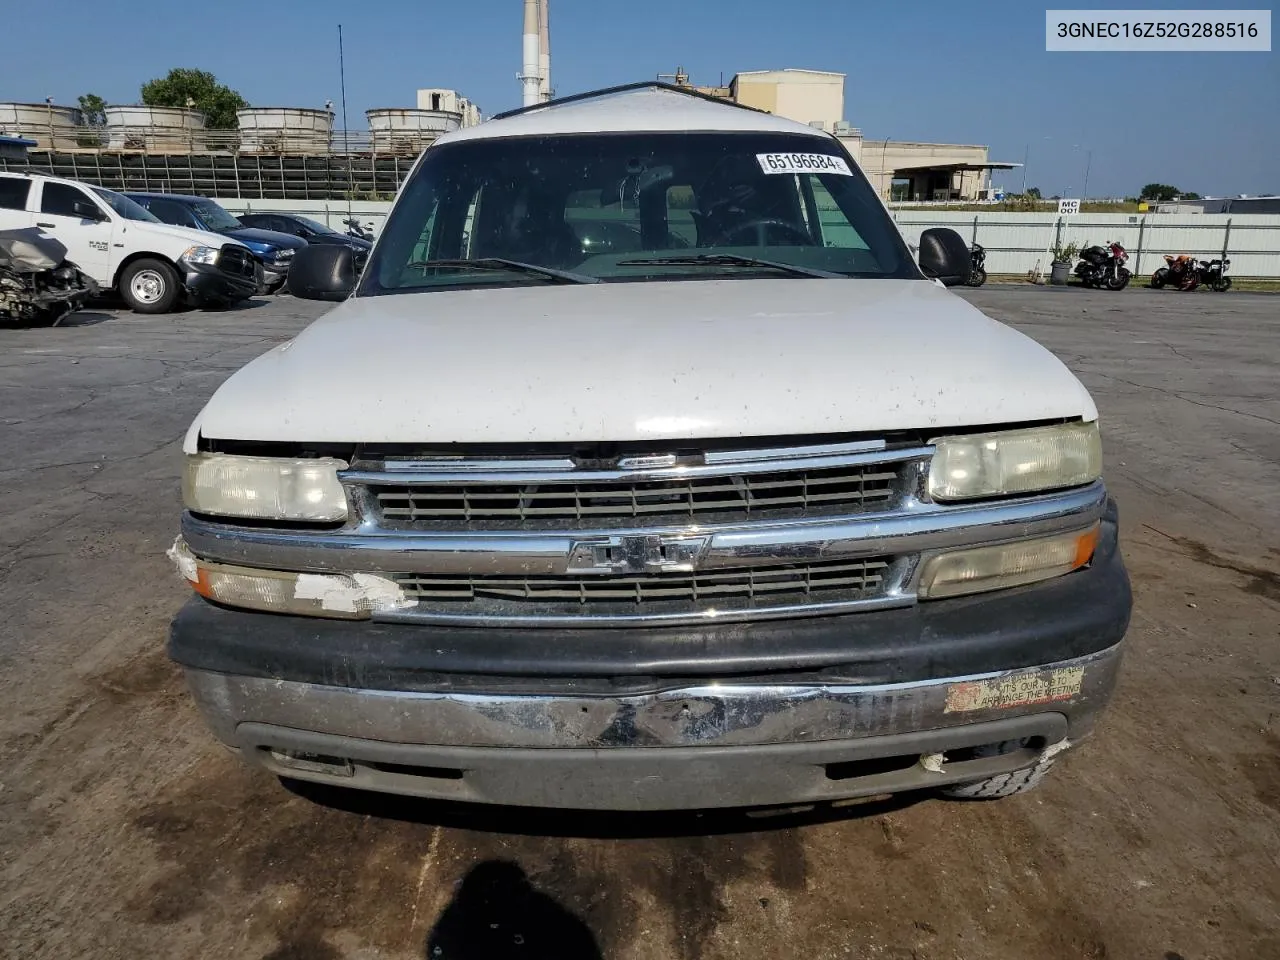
<point x="644" y="469"/>
<point x="120" y="245"/>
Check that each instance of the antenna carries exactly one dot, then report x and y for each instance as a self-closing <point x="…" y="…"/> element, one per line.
<point x="346" y="130"/>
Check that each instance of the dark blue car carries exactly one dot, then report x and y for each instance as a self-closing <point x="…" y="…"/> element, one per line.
<point x="273" y="250"/>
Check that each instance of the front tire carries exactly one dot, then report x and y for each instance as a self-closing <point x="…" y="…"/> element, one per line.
<point x="1223" y="285"/>
<point x="1119" y="280"/>
<point x="977" y="277"/>
<point x="150" y="286"/>
<point x="1160" y="278"/>
<point x="1005" y="784"/>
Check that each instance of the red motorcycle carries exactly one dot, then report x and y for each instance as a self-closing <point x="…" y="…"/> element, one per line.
<point x="1104" y="267"/>
<point x="1179" y="272"/>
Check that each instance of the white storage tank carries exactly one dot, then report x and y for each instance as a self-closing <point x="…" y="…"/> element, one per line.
<point x="405" y="130"/>
<point x="52" y="127"/>
<point x="156" y="129"/>
<point x="284" y="130"/>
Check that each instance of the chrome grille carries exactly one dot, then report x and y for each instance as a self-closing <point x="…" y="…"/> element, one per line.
<point x="785" y="493"/>
<point x="778" y="583"/>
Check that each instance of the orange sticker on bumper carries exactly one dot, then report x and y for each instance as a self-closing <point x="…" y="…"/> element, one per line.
<point x="1023" y="690"/>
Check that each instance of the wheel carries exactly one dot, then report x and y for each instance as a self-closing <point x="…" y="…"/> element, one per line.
<point x="1160" y="278"/>
<point x="1223" y="285"/>
<point x="977" y="277"/>
<point x="1119" y="280"/>
<point x="150" y="286"/>
<point x="1004" y="785"/>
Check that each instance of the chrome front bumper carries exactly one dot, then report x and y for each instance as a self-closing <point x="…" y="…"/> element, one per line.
<point x="696" y="746"/>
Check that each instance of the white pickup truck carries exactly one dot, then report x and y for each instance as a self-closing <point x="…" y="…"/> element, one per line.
<point x="153" y="266"/>
<point x="642" y="467"/>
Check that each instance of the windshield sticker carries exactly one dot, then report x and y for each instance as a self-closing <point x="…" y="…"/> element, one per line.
<point x="803" y="163"/>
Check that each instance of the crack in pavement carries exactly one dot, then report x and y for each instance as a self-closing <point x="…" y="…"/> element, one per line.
<point x="1185" y="399"/>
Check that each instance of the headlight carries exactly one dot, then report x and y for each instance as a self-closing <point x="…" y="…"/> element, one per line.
<point x="264" y="488"/>
<point x="285" y="254"/>
<point x="208" y="255"/>
<point x="347" y="596"/>
<point x="1006" y="565"/>
<point x="1015" y="461"/>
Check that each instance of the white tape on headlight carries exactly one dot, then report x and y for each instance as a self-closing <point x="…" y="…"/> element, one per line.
<point x="346" y="596"/>
<point x="1015" y="461"/>
<point x="265" y="488"/>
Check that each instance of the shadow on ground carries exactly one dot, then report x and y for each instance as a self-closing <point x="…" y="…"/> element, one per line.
<point x="84" y="318"/>
<point x="498" y="914"/>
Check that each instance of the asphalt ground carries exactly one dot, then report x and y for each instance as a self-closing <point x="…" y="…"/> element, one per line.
<point x="125" y="831"/>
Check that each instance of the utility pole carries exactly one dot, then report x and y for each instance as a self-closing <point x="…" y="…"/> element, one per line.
<point x="1088" y="163"/>
<point x="888" y="188"/>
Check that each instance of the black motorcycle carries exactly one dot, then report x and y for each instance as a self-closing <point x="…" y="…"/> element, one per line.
<point x="354" y="229"/>
<point x="1213" y="274"/>
<point x="977" y="266"/>
<point x="1104" y="267"/>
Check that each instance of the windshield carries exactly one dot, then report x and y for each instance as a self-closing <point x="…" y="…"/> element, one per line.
<point x="616" y="206"/>
<point x="315" y="225"/>
<point x="127" y="208"/>
<point x="215" y="218"/>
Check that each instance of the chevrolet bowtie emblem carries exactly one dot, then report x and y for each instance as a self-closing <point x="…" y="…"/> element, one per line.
<point x="636" y="554"/>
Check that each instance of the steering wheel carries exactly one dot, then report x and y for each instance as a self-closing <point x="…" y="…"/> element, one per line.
<point x="760" y="227"/>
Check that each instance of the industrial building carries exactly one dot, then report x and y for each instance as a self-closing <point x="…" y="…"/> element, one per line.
<point x="899" y="170"/>
<point x="285" y="153"/>
<point x="1241" y="204"/>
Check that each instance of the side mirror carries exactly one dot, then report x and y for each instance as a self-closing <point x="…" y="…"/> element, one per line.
<point x="944" y="256"/>
<point x="88" y="211"/>
<point x="323" y="272"/>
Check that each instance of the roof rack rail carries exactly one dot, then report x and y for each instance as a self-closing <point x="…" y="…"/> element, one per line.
<point x="624" y="88"/>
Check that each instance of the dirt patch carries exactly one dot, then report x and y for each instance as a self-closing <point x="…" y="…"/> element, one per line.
<point x="308" y="870"/>
<point x="148" y="676"/>
<point x="1262" y="770"/>
<point x="1260" y="581"/>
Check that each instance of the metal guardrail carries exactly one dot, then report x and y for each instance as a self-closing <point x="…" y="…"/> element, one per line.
<point x="1019" y="243"/>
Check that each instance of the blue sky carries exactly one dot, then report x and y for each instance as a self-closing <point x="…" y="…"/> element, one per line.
<point x="973" y="72"/>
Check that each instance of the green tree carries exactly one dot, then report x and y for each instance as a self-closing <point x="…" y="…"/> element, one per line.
<point x="1033" y="192"/>
<point x="1159" y="191"/>
<point x="93" y="110"/>
<point x="183" y="86"/>
<point x="1190" y="195"/>
<point x="93" y="116"/>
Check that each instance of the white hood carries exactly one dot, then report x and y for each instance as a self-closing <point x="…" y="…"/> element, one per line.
<point x="188" y="235"/>
<point x="644" y="361"/>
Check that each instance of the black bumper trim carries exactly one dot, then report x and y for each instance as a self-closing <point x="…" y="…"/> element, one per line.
<point x="1072" y="616"/>
<point x="208" y="284"/>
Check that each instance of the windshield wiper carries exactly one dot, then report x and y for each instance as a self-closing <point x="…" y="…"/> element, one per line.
<point x="512" y="266"/>
<point x="731" y="260"/>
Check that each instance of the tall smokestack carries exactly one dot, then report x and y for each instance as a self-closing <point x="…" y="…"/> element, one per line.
<point x="544" y="47"/>
<point x="530" y="78"/>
